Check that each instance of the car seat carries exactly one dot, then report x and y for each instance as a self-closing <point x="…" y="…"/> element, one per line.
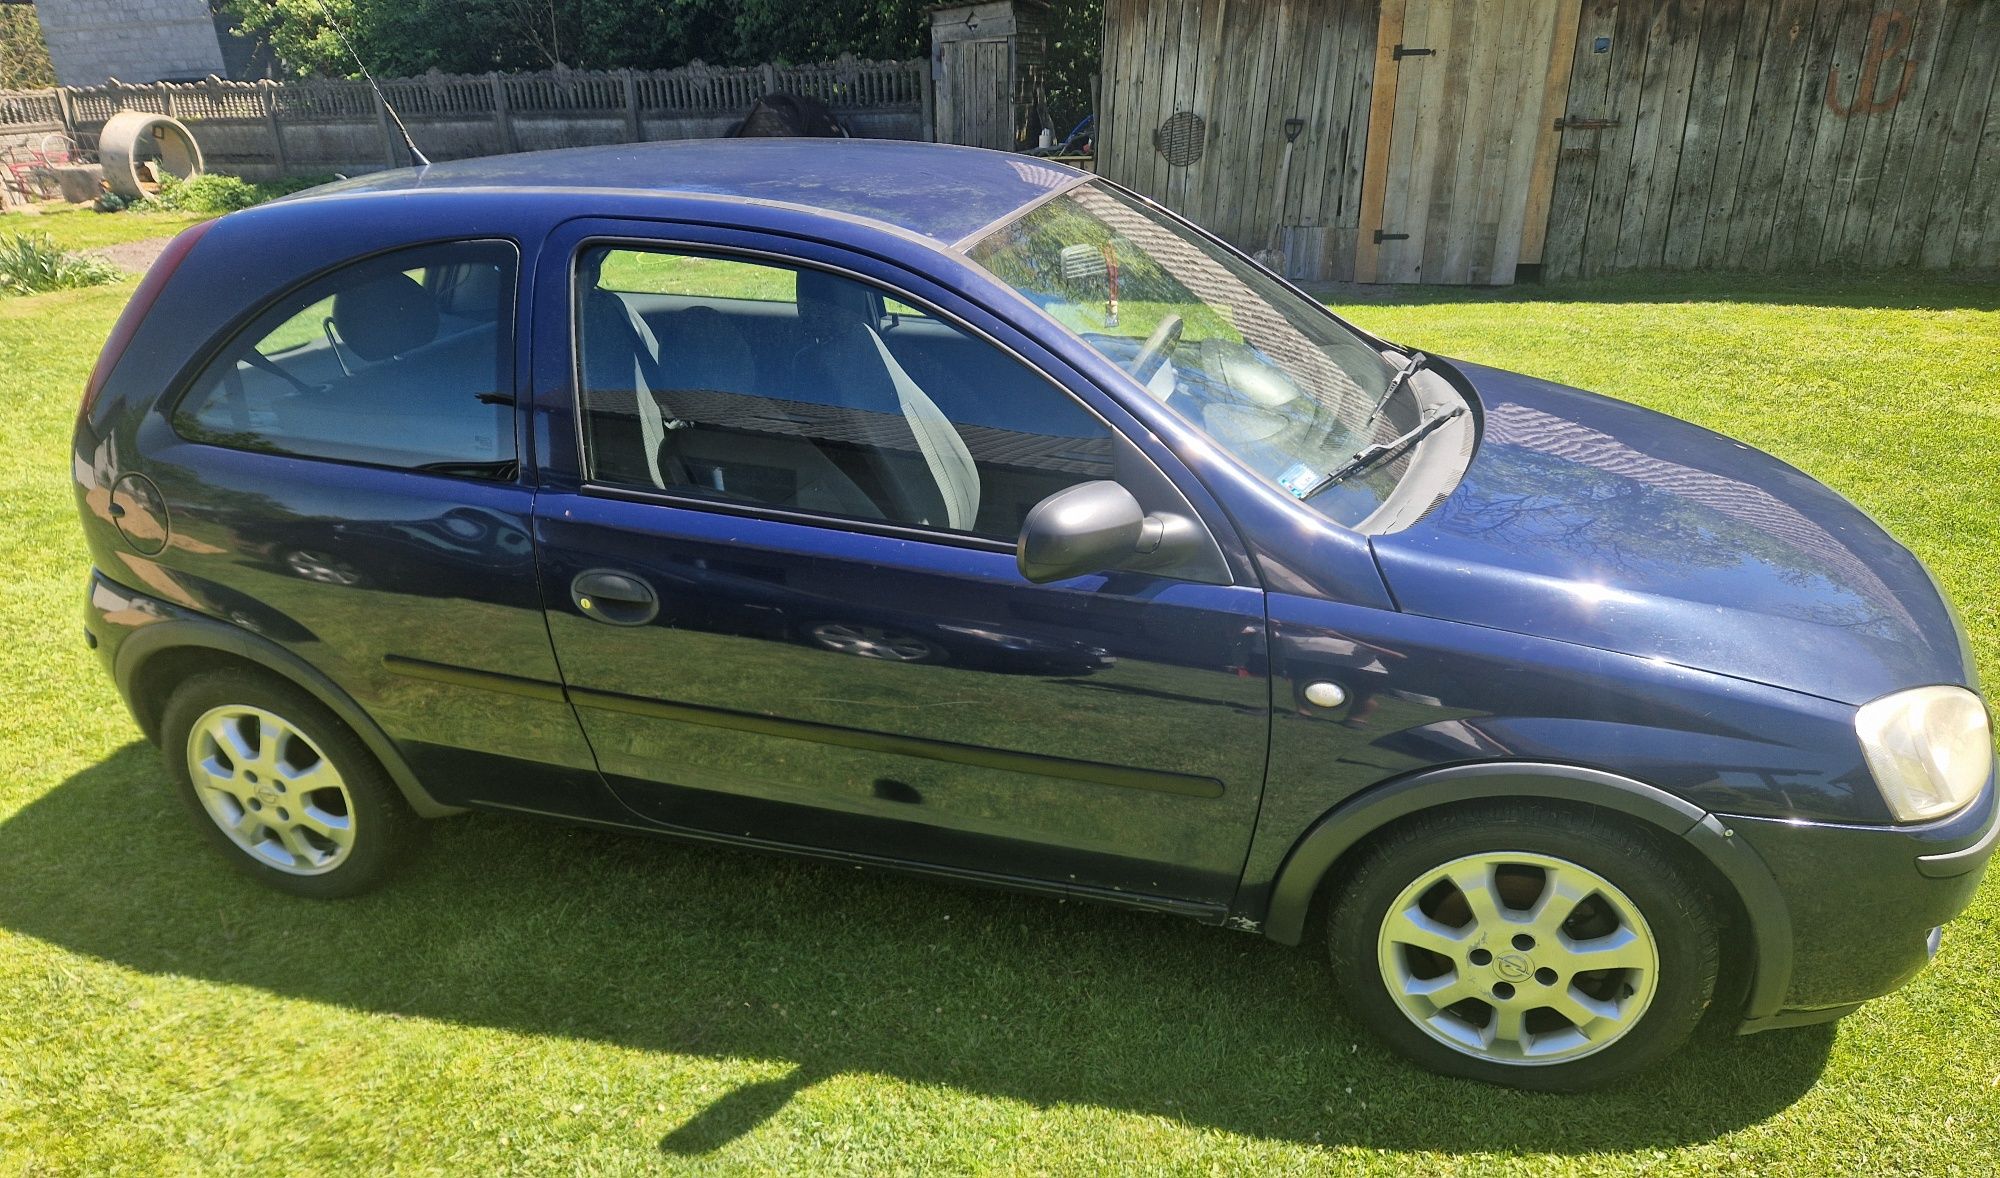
<point x="843" y="361"/>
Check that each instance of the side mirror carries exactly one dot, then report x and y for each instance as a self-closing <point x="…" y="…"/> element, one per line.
<point x="1089" y="528"/>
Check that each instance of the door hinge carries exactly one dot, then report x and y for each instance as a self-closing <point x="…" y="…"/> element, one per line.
<point x="1381" y="237"/>
<point x="1400" y="52"/>
<point x="1575" y="123"/>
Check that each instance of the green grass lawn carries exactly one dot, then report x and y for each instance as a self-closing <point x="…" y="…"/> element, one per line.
<point x="530" y="998"/>
<point x="81" y="227"/>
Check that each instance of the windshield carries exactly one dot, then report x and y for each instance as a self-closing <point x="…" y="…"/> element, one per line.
<point x="1274" y="380"/>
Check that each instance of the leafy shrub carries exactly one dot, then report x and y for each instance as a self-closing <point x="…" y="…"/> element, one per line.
<point x="210" y="192"/>
<point x="215" y="194"/>
<point x="33" y="263"/>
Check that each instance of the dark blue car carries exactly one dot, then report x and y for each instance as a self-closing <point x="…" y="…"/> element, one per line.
<point x="958" y="512"/>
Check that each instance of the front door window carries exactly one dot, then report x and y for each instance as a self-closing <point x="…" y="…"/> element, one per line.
<point x="786" y="387"/>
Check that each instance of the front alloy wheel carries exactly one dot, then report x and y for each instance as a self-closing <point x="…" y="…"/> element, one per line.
<point x="1524" y="944"/>
<point x="1518" y="958"/>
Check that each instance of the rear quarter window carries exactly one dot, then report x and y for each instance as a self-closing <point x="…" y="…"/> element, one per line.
<point x="401" y="360"/>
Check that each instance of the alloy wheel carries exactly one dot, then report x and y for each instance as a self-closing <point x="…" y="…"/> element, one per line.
<point x="271" y="789"/>
<point x="1518" y="958"/>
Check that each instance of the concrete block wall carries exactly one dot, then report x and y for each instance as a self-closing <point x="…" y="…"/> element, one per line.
<point x="131" y="40"/>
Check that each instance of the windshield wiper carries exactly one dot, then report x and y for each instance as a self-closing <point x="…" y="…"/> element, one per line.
<point x="1375" y="453"/>
<point x="1409" y="369"/>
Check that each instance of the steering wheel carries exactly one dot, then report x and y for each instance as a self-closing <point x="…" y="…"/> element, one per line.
<point x="1157" y="348"/>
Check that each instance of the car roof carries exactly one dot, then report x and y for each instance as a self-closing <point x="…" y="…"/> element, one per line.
<point x="938" y="191"/>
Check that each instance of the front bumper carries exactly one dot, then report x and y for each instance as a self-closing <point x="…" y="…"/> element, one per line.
<point x="1865" y="902"/>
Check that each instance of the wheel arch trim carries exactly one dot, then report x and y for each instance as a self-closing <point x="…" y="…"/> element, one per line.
<point x="1344" y="827"/>
<point x="181" y="634"/>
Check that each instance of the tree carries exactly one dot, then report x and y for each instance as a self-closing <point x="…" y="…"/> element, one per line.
<point x="1073" y="56"/>
<point x="401" y="37"/>
<point x="24" y="57"/>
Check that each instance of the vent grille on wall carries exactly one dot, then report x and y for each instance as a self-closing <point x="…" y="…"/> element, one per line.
<point x="1180" y="138"/>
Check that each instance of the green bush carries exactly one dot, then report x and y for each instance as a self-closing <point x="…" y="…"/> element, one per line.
<point x="210" y="192"/>
<point x="215" y="194"/>
<point x="30" y="264"/>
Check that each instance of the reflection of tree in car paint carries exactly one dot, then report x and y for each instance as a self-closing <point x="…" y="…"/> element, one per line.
<point x="1555" y="484"/>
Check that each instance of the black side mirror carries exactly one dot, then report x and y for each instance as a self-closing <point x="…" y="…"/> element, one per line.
<point x="1092" y="527"/>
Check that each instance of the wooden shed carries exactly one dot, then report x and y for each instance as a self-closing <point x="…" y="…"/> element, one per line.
<point x="984" y="58"/>
<point x="1463" y="140"/>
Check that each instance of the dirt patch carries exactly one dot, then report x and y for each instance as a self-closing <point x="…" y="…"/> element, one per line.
<point x="131" y="256"/>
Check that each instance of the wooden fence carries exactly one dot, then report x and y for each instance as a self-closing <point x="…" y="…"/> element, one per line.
<point x="1244" y="68"/>
<point x="1675" y="134"/>
<point x="264" y="130"/>
<point x="1780" y="134"/>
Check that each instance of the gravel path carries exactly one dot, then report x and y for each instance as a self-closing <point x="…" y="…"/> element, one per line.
<point x="131" y="256"/>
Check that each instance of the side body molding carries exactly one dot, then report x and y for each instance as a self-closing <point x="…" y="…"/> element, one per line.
<point x="181" y="632"/>
<point x="1344" y="827"/>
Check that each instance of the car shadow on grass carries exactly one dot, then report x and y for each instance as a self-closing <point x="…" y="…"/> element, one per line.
<point x="660" y="947"/>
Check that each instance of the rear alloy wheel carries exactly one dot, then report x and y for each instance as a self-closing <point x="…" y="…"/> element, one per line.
<point x="1534" y="948"/>
<point x="285" y="790"/>
<point x="275" y="795"/>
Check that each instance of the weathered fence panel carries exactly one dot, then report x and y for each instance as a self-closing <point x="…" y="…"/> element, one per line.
<point x="26" y="119"/>
<point x="1780" y="134"/>
<point x="30" y="110"/>
<point x="1731" y="134"/>
<point x="1247" y="69"/>
<point x="266" y="130"/>
<point x="30" y="124"/>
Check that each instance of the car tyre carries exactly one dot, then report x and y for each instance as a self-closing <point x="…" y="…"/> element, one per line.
<point x="285" y="790"/>
<point x="1532" y="946"/>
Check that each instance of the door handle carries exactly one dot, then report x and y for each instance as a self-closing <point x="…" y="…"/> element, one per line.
<point x="620" y="599"/>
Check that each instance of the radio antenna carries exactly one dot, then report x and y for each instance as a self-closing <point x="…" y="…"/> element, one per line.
<point x="408" y="142"/>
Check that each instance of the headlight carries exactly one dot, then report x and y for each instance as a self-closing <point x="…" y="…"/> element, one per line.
<point x="1930" y="749"/>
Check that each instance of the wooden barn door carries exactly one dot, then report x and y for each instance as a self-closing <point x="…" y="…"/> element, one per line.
<point x="1461" y="138"/>
<point x="975" y="102"/>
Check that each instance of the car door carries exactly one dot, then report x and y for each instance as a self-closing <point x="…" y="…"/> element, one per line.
<point x="776" y="523"/>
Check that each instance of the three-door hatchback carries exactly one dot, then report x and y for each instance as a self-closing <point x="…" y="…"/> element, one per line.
<point x="959" y="512"/>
